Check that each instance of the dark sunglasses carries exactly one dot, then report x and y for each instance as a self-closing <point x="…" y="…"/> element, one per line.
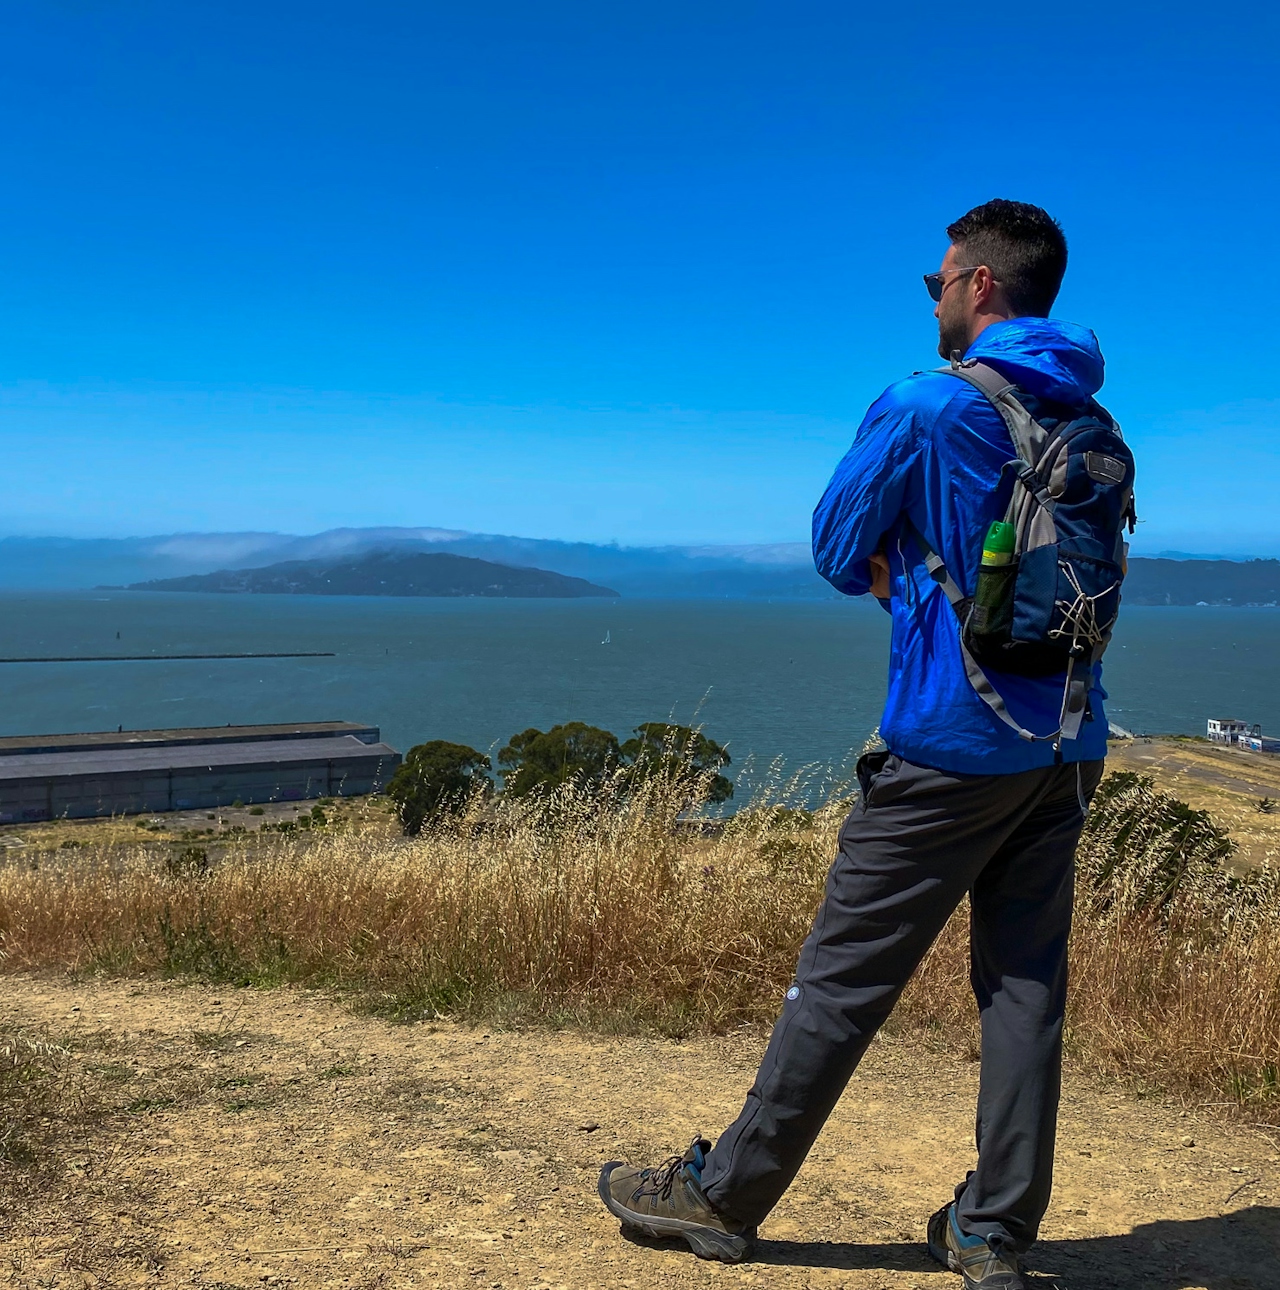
<point x="936" y="283"/>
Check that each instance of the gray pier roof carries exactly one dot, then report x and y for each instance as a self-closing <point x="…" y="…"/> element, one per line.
<point x="184" y="756"/>
<point x="104" y="740"/>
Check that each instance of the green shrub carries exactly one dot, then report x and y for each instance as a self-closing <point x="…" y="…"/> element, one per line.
<point x="573" y="753"/>
<point x="189" y="862"/>
<point x="435" y="781"/>
<point x="1142" y="848"/>
<point x="682" y="756"/>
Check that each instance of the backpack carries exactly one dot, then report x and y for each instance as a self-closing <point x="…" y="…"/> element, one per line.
<point x="1071" y="501"/>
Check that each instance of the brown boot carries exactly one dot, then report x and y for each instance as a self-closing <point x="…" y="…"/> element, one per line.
<point x="667" y="1200"/>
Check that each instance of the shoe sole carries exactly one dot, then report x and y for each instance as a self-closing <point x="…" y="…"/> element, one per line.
<point x="705" y="1242"/>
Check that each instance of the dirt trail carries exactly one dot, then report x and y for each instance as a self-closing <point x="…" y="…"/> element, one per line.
<point x="1226" y="782"/>
<point x="1249" y="774"/>
<point x="275" y="1138"/>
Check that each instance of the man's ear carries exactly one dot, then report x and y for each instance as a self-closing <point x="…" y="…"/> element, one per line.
<point x="982" y="286"/>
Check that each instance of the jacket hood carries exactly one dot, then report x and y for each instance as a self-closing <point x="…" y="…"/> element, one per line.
<point x="1048" y="358"/>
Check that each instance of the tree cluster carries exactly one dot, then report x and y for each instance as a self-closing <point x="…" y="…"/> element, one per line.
<point x="438" y="780"/>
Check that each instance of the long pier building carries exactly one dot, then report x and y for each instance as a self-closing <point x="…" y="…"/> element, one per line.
<point x="127" y="772"/>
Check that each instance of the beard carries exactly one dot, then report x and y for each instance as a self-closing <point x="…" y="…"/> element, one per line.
<point x="953" y="334"/>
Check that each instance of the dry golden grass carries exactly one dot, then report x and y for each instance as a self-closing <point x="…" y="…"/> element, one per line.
<point x="1175" y="960"/>
<point x="32" y="1083"/>
<point x="596" y="909"/>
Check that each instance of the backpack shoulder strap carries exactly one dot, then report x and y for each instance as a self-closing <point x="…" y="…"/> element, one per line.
<point x="1028" y="435"/>
<point x="937" y="569"/>
<point x="980" y="374"/>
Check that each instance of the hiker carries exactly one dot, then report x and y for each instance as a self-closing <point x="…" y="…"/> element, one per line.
<point x="983" y="504"/>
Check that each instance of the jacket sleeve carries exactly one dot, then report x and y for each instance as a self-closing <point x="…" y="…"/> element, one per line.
<point x="867" y="493"/>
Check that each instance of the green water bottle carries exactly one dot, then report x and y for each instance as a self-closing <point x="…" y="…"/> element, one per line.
<point x="993" y="601"/>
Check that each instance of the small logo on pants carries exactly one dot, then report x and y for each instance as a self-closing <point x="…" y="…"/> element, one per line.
<point x="794" y="993"/>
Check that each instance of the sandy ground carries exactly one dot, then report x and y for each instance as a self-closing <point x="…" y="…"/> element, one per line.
<point x="274" y="1138"/>
<point x="1226" y="782"/>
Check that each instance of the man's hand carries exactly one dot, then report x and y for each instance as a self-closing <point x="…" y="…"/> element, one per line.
<point x="879" y="563"/>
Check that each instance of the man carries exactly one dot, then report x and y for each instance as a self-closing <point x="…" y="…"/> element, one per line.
<point x="959" y="802"/>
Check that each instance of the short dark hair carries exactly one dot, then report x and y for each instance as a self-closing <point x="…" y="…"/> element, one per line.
<point x="1022" y="245"/>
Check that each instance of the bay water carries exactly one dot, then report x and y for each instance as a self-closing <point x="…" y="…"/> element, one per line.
<point x="800" y="681"/>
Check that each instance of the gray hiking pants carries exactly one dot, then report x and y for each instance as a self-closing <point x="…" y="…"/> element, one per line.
<point x="915" y="842"/>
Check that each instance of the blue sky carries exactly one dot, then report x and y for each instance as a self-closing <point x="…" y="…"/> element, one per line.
<point x="601" y="272"/>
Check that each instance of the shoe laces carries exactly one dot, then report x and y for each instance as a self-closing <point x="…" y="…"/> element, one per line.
<point x="661" y="1179"/>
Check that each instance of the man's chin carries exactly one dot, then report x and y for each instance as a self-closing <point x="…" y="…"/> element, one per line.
<point x="948" y="345"/>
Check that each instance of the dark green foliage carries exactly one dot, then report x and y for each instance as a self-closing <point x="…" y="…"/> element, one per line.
<point x="198" y="951"/>
<point x="1142" y="847"/>
<point x="680" y="755"/>
<point x="187" y="863"/>
<point x="574" y="752"/>
<point x="538" y="761"/>
<point x="436" y="780"/>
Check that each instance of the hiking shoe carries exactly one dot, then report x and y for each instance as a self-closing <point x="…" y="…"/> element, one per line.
<point x="982" y="1266"/>
<point x="667" y="1200"/>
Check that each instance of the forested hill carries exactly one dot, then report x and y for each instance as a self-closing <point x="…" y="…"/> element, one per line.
<point x="1207" y="582"/>
<point x="386" y="573"/>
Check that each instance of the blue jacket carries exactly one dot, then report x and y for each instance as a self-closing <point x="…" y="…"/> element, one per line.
<point x="931" y="448"/>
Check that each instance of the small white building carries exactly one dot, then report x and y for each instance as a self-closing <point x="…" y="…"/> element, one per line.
<point x="1227" y="730"/>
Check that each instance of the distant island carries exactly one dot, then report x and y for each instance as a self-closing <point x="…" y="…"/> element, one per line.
<point x="386" y="573"/>
<point x="773" y="571"/>
<point x="1202" y="582"/>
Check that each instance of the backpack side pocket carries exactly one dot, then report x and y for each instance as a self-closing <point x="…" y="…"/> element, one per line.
<point x="1068" y="593"/>
<point x="990" y="618"/>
